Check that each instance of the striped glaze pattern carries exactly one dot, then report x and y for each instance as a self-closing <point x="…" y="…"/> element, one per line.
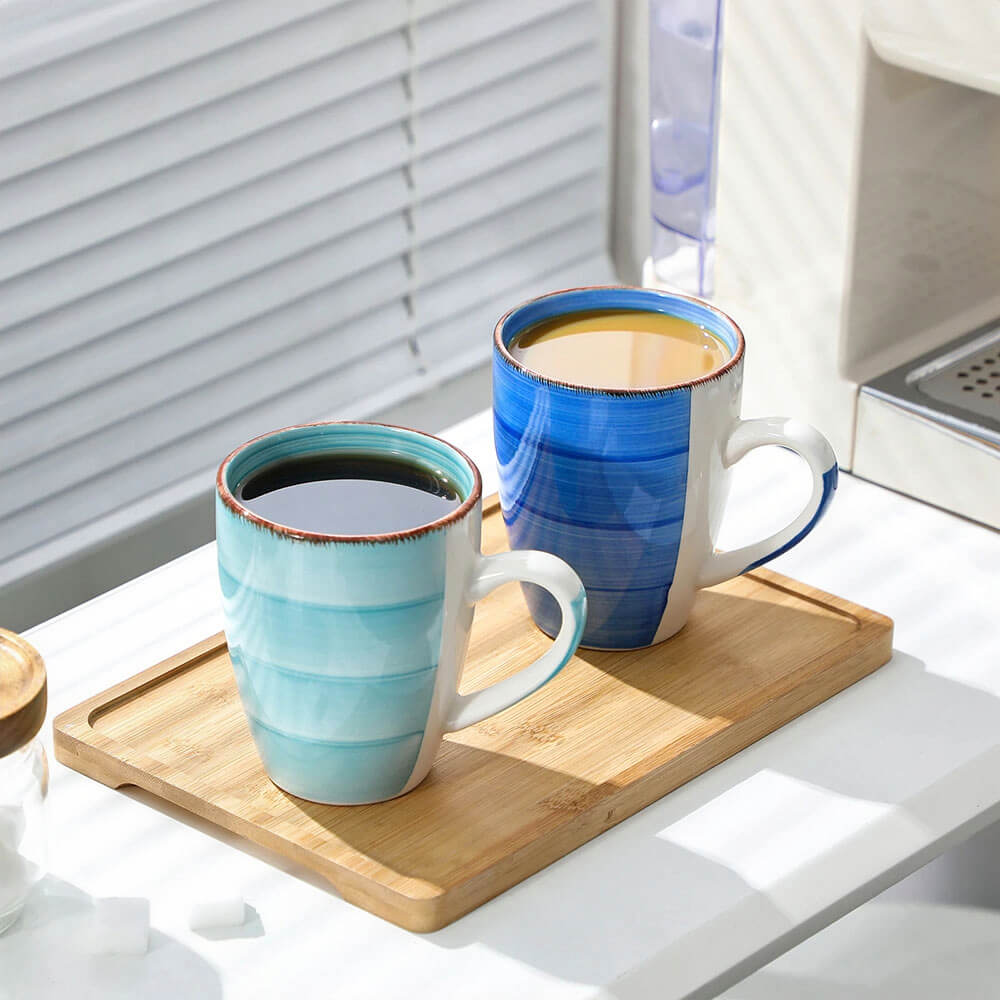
<point x="597" y="477"/>
<point x="335" y="643"/>
<point x="609" y="504"/>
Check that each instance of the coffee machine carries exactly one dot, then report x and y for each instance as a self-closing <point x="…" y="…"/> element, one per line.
<point x="859" y="233"/>
<point x="920" y="336"/>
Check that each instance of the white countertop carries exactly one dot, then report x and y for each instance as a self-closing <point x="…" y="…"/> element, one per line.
<point x="682" y="899"/>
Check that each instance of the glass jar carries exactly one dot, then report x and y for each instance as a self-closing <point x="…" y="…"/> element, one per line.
<point x="24" y="774"/>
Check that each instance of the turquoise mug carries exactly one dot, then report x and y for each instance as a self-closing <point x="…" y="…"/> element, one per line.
<point x="348" y="650"/>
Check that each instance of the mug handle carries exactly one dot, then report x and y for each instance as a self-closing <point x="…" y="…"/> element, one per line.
<point x="805" y="441"/>
<point x="564" y="585"/>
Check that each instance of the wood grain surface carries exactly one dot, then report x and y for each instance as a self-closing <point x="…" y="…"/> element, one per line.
<point x="612" y="733"/>
<point x="23" y="692"/>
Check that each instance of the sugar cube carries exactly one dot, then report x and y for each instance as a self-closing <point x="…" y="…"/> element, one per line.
<point x="11" y="826"/>
<point x="217" y="911"/>
<point x="120" y="926"/>
<point x="17" y="875"/>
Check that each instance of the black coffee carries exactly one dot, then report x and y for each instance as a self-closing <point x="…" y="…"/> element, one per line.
<point x="342" y="494"/>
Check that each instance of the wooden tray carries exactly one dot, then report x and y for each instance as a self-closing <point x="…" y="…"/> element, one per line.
<point x="611" y="734"/>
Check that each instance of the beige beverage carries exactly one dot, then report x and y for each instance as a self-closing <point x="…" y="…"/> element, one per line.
<point x="618" y="349"/>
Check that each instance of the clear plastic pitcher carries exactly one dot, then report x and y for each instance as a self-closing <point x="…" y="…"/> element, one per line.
<point x="684" y="72"/>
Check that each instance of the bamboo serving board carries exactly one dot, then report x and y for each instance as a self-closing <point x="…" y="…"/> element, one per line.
<point x="611" y="734"/>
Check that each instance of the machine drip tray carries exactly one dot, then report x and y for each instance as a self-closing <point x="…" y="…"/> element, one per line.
<point x="957" y="385"/>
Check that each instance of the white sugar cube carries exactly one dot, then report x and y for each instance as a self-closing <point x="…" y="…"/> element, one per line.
<point x="11" y="826"/>
<point x="217" y="911"/>
<point x="120" y="926"/>
<point x="17" y="875"/>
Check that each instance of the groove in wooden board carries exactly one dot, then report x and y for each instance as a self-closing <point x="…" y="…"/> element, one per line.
<point x="614" y="732"/>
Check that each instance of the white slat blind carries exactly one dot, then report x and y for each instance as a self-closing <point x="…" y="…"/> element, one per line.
<point x="219" y="217"/>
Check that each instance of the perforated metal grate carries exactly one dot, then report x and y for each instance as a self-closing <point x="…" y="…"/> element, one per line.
<point x="969" y="378"/>
<point x="957" y="385"/>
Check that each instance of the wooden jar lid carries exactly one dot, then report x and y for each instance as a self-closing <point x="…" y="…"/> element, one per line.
<point x="23" y="694"/>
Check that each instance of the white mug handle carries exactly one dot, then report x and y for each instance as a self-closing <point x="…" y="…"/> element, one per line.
<point x="564" y="585"/>
<point x="805" y="441"/>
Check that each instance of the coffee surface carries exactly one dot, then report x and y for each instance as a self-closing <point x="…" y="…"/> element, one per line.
<point x="612" y="349"/>
<point x="345" y="494"/>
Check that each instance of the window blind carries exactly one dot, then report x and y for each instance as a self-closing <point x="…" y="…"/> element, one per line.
<point x="220" y="217"/>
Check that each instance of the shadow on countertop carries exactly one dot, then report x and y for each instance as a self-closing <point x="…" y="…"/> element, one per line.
<point x="46" y="954"/>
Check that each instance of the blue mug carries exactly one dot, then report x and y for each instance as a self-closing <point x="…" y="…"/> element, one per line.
<point x="629" y="485"/>
<point x="348" y="650"/>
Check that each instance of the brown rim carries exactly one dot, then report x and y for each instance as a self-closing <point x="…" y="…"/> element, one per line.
<point x="603" y="390"/>
<point x="226" y="495"/>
